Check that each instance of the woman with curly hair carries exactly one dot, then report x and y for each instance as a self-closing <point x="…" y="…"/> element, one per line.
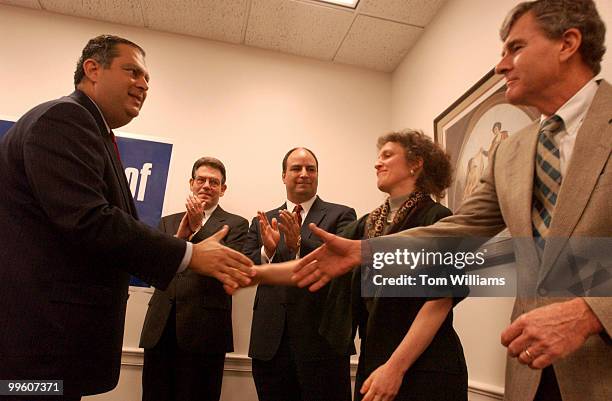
<point x="409" y="349"/>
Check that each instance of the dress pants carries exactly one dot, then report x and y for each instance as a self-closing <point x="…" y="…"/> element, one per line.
<point x="548" y="390"/>
<point x="172" y="374"/>
<point x="283" y="378"/>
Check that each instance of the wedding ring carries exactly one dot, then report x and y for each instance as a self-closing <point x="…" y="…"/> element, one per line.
<point x="528" y="354"/>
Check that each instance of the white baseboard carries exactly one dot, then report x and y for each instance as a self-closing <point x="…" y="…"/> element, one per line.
<point x="234" y="362"/>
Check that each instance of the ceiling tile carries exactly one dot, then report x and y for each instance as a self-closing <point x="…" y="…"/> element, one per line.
<point x="377" y="44"/>
<point x="22" y="3"/>
<point x="126" y="12"/>
<point x="296" y="27"/>
<point x="221" y="20"/>
<point x="414" y="12"/>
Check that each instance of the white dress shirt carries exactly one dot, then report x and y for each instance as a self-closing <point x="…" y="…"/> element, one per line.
<point x="573" y="113"/>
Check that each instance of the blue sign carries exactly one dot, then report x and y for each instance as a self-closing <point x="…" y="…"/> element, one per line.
<point x="146" y="163"/>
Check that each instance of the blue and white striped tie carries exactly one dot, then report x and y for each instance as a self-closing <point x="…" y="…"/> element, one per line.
<point x="547" y="178"/>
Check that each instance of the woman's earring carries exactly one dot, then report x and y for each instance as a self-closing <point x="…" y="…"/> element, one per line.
<point x="411" y="171"/>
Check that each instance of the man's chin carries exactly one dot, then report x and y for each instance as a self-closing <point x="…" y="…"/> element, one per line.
<point x="513" y="97"/>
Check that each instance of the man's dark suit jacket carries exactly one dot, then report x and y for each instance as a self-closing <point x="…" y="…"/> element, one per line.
<point x="298" y="308"/>
<point x="68" y="243"/>
<point x="203" y="309"/>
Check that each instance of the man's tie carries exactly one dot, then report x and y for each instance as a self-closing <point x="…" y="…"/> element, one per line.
<point x="547" y="179"/>
<point x="298" y="210"/>
<point x="114" y="139"/>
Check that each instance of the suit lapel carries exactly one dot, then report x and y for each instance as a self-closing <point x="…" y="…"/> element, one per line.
<point x="521" y="168"/>
<point x="86" y="102"/>
<point x="214" y="223"/>
<point x="315" y="215"/>
<point x="591" y="152"/>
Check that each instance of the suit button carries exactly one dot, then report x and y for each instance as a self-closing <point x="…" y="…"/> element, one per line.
<point x="543" y="292"/>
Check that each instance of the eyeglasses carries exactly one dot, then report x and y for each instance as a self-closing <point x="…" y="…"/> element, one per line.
<point x="212" y="182"/>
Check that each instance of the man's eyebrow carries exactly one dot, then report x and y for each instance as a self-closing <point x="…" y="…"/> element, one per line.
<point x="511" y="44"/>
<point x="139" y="69"/>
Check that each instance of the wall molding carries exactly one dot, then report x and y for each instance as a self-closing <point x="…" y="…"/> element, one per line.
<point x="487" y="390"/>
<point x="241" y="363"/>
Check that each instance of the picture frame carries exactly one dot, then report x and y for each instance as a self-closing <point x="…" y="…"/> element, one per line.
<point x="471" y="127"/>
<point x="468" y="130"/>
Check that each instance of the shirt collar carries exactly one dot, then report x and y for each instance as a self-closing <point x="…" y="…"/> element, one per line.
<point x="575" y="109"/>
<point x="305" y="205"/>
<point x="208" y="212"/>
<point x="108" y="130"/>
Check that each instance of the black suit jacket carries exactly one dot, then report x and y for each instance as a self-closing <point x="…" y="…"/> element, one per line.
<point x="69" y="240"/>
<point x="203" y="309"/>
<point x="384" y="325"/>
<point x="298" y="308"/>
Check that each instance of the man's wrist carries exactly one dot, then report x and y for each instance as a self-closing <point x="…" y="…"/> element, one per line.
<point x="298" y="244"/>
<point x="594" y="325"/>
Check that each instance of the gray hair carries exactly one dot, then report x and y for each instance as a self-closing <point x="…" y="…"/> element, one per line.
<point x="557" y="16"/>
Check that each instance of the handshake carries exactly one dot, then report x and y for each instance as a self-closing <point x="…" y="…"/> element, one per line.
<point x="336" y="256"/>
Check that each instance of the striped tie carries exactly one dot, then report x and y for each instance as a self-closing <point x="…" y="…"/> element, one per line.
<point x="547" y="178"/>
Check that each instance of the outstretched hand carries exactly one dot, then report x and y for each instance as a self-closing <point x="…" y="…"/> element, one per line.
<point x="211" y="258"/>
<point x="335" y="257"/>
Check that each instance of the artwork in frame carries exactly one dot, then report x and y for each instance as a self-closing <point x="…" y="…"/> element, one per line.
<point x="470" y="128"/>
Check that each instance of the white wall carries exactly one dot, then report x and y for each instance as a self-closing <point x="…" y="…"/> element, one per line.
<point x="457" y="49"/>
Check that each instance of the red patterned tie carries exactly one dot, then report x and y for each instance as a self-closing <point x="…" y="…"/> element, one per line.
<point x="298" y="210"/>
<point x="114" y="139"/>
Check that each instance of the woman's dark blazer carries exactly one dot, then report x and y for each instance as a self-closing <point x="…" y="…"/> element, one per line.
<point x="389" y="318"/>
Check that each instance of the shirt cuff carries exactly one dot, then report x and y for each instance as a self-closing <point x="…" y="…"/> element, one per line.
<point x="186" y="258"/>
<point x="264" y="257"/>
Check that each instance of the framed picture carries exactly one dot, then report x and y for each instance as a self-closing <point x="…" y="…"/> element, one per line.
<point x="470" y="127"/>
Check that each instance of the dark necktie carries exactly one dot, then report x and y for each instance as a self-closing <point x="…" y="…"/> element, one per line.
<point x="298" y="210"/>
<point x="114" y="139"/>
<point x="547" y="180"/>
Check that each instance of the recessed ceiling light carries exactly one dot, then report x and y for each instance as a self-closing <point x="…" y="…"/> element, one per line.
<point x="343" y="3"/>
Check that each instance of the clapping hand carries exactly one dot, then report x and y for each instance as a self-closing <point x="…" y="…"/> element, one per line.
<point x="290" y="227"/>
<point x="270" y="235"/>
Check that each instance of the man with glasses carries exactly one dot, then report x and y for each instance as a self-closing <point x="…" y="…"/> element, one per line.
<point x="188" y="327"/>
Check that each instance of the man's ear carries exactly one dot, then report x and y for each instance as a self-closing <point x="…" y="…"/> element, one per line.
<point x="222" y="191"/>
<point x="570" y="43"/>
<point x="91" y="68"/>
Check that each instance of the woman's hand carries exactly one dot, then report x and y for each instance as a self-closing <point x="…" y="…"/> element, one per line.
<point x="383" y="384"/>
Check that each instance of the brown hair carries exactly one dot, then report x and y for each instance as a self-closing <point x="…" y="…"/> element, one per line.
<point x="437" y="173"/>
<point x="103" y="49"/>
<point x="210" y="162"/>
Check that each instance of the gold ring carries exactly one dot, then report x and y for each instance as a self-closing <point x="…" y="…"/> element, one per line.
<point x="528" y="354"/>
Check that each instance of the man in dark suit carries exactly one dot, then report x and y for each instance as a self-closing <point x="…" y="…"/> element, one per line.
<point x="188" y="327"/>
<point x="291" y="360"/>
<point x="70" y="235"/>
